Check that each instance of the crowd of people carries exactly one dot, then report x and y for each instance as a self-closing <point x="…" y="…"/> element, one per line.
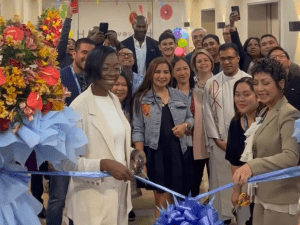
<point x="227" y="107"/>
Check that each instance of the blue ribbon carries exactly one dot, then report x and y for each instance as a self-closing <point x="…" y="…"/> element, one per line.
<point x="266" y="177"/>
<point x="96" y="174"/>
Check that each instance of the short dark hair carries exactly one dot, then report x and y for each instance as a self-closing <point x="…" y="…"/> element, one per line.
<point x="215" y="37"/>
<point x="278" y="48"/>
<point x="82" y="41"/>
<point x="123" y="47"/>
<point x="269" y="35"/>
<point x="272" y="67"/>
<point x="94" y="62"/>
<point x="226" y="46"/>
<point x="176" y="60"/>
<point x="248" y="40"/>
<point x="166" y="35"/>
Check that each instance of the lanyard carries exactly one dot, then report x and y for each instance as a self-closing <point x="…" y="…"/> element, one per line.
<point x="190" y="96"/>
<point x="76" y="80"/>
<point x="246" y="123"/>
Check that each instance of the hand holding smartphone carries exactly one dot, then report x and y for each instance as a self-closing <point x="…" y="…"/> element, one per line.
<point x="75" y="5"/>
<point x="236" y="11"/>
<point x="103" y="27"/>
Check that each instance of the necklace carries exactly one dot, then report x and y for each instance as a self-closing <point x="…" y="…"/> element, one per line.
<point x="164" y="98"/>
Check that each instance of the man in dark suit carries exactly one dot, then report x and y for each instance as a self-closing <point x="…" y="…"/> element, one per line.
<point x="292" y="86"/>
<point x="144" y="48"/>
<point x="72" y="77"/>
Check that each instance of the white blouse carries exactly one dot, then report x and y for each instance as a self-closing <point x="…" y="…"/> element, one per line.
<point x="106" y="105"/>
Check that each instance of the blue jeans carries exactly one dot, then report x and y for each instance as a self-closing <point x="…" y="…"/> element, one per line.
<point x="57" y="196"/>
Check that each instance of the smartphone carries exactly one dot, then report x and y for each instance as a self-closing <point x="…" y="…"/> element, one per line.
<point x="74" y="3"/>
<point x="103" y="27"/>
<point x="235" y="10"/>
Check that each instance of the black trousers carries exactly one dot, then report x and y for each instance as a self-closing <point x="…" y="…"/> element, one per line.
<point x="37" y="188"/>
<point x="71" y="222"/>
<point x="198" y="174"/>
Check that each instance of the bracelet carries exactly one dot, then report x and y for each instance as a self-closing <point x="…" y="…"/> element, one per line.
<point x="186" y="126"/>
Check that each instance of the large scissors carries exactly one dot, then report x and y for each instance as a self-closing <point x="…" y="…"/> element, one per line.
<point x="139" y="168"/>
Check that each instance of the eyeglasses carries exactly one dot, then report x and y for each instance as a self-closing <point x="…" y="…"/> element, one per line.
<point x="129" y="55"/>
<point x="230" y="58"/>
<point x="114" y="70"/>
<point x="281" y="56"/>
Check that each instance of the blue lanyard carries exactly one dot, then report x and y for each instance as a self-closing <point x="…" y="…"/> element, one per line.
<point x="190" y="95"/>
<point x="76" y="80"/>
<point x="246" y="123"/>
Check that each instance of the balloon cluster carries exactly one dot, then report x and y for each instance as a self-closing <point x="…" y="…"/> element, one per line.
<point x="189" y="212"/>
<point x="181" y="36"/>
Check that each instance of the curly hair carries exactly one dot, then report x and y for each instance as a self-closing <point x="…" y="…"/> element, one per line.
<point x="272" y="67"/>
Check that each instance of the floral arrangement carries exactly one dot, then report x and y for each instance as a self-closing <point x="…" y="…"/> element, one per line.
<point x="29" y="78"/>
<point x="50" y="24"/>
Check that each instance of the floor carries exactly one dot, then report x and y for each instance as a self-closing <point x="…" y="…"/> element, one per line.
<point x="144" y="205"/>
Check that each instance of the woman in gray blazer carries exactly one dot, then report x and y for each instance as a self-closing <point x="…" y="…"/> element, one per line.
<point x="273" y="148"/>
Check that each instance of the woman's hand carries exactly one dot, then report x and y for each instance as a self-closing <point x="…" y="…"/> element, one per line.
<point x="241" y="175"/>
<point x="138" y="159"/>
<point x="116" y="169"/>
<point x="179" y="130"/>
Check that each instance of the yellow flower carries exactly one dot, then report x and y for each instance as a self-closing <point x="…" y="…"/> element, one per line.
<point x="3" y="112"/>
<point x="59" y="92"/>
<point x="16" y="18"/>
<point x="16" y="71"/>
<point x="11" y="99"/>
<point x="48" y="18"/>
<point x="9" y="40"/>
<point x="44" y="63"/>
<point x="44" y="52"/>
<point x="1" y="21"/>
<point x="16" y="81"/>
<point x="45" y="27"/>
<point x="10" y="90"/>
<point x="30" y="26"/>
<point x="57" y="106"/>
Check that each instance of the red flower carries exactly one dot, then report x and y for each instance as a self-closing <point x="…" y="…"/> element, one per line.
<point x="46" y="107"/>
<point x="14" y="62"/>
<point x="2" y="77"/>
<point x="50" y="75"/>
<point x="27" y="32"/>
<point x="34" y="101"/>
<point x="4" y="124"/>
<point x="15" y="32"/>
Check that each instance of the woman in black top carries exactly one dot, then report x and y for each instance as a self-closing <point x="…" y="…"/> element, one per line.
<point x="246" y="106"/>
<point x="250" y="52"/>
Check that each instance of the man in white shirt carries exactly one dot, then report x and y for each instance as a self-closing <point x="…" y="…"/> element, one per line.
<point x="218" y="110"/>
<point x="145" y="49"/>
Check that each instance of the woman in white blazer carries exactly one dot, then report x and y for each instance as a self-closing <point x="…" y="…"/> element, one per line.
<point x="105" y="201"/>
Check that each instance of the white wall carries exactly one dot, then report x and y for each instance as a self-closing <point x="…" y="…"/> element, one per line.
<point x="91" y="14"/>
<point x="28" y="10"/>
<point x="186" y="10"/>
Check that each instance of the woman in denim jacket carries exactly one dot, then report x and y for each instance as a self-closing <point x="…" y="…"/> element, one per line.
<point x="161" y="117"/>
